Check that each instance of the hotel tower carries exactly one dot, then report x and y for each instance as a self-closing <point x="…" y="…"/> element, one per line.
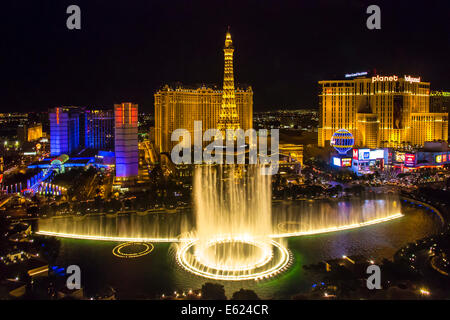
<point x="126" y="140"/>
<point x="178" y="107"/>
<point x="64" y="130"/>
<point x="380" y="111"/>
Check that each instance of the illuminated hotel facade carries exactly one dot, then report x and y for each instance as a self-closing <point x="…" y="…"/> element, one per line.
<point x="29" y="132"/>
<point x="74" y="128"/>
<point x="440" y="102"/>
<point x="126" y="140"/>
<point x="99" y="129"/>
<point x="179" y="107"/>
<point x="64" y="130"/>
<point x="380" y="111"/>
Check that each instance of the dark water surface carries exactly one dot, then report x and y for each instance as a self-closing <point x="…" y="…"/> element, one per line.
<point x="157" y="273"/>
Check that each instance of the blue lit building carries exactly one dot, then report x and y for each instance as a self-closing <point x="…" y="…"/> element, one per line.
<point x="99" y="129"/>
<point x="64" y="130"/>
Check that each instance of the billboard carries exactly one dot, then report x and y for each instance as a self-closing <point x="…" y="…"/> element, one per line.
<point x="376" y="154"/>
<point x="410" y="160"/>
<point x="364" y="154"/>
<point x="400" y="157"/>
<point x="336" y="161"/>
<point x="346" y="162"/>
<point x="367" y="154"/>
<point x="355" y="154"/>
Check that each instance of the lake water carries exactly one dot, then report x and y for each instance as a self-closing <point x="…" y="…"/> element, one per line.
<point x="151" y="275"/>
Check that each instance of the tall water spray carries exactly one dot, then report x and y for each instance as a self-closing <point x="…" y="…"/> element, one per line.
<point x="232" y="201"/>
<point x="233" y="225"/>
<point x="232" y="210"/>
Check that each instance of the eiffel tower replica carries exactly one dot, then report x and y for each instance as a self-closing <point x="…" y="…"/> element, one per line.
<point x="228" y="115"/>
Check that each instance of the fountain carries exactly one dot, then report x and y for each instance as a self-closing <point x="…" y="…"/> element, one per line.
<point x="234" y="231"/>
<point x="233" y="225"/>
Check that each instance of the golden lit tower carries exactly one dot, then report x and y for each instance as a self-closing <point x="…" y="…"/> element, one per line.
<point x="228" y="115"/>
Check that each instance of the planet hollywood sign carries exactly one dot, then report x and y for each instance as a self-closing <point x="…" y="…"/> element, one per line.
<point x="394" y="78"/>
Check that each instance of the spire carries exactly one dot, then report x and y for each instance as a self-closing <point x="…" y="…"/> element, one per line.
<point x="228" y="116"/>
<point x="228" y="41"/>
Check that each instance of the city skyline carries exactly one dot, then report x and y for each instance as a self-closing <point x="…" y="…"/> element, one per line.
<point x="105" y="62"/>
<point x="223" y="150"/>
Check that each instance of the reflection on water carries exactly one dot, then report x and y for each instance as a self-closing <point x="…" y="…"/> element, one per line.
<point x="157" y="273"/>
<point x="310" y="216"/>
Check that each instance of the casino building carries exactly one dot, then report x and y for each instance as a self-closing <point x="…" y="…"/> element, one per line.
<point x="381" y="111"/>
<point x="126" y="140"/>
<point x="99" y="129"/>
<point x="64" y="130"/>
<point x="104" y="133"/>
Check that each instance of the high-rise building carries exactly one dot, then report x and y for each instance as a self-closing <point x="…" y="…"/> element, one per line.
<point x="428" y="127"/>
<point x="29" y="132"/>
<point x="34" y="132"/>
<point x="440" y="102"/>
<point x="377" y="110"/>
<point x="64" y="130"/>
<point x="99" y="129"/>
<point x="178" y="107"/>
<point x="126" y="140"/>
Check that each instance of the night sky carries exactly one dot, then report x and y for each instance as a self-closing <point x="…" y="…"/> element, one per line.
<point x="126" y="50"/>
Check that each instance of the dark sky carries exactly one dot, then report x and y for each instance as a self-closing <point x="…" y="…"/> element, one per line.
<point x="126" y="50"/>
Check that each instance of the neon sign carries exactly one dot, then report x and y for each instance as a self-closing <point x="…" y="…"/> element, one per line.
<point x="346" y="162"/>
<point x="389" y="78"/>
<point x="411" y="79"/>
<point x="355" y="154"/>
<point x="394" y="78"/>
<point x="356" y="74"/>
<point x="410" y="160"/>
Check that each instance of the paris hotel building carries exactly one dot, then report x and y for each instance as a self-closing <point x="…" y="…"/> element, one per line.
<point x="380" y="111"/>
<point x="178" y="107"/>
